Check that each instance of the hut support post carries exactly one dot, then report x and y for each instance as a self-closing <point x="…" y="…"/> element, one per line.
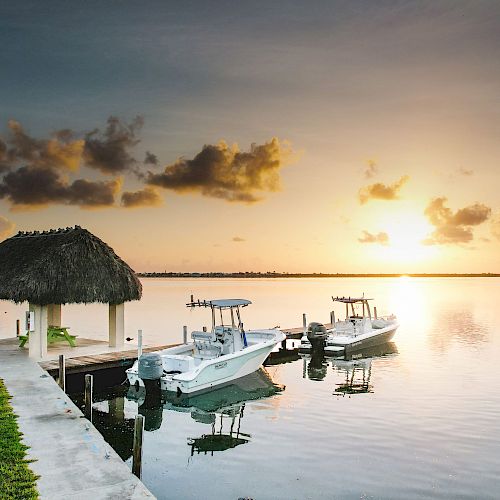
<point x="54" y="314"/>
<point x="116" y="325"/>
<point x="38" y="335"/>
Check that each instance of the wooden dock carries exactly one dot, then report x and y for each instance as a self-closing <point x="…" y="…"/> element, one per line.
<point x="87" y="364"/>
<point x="121" y="359"/>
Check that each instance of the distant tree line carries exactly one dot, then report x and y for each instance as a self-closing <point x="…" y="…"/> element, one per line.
<point x="274" y="274"/>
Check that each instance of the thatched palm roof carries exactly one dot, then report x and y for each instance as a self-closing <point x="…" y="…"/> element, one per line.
<point x="64" y="266"/>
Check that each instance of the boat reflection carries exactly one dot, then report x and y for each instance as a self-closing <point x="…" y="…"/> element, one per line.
<point x="355" y="369"/>
<point x="218" y="407"/>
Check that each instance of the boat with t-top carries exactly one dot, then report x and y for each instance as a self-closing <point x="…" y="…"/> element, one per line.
<point x="359" y="329"/>
<point x="219" y="356"/>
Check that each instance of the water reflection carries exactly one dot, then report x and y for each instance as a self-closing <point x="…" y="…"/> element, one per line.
<point x="222" y="409"/>
<point x="218" y="440"/>
<point x="456" y="326"/>
<point x="353" y="369"/>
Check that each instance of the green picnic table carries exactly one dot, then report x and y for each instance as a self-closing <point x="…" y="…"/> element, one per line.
<point x="54" y="334"/>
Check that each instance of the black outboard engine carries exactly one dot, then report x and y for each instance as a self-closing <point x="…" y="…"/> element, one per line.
<point x="316" y="334"/>
<point x="150" y="370"/>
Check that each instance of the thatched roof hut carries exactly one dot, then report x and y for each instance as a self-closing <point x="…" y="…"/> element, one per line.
<point x="64" y="266"/>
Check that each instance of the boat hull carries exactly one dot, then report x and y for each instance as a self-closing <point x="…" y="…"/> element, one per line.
<point x="214" y="372"/>
<point x="362" y="342"/>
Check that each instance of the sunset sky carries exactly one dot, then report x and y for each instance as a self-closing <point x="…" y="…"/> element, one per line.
<point x="336" y="136"/>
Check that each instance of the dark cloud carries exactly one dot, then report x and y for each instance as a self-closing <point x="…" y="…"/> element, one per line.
<point x="110" y="151"/>
<point x="371" y="169"/>
<point x="454" y="227"/>
<point x="62" y="150"/>
<point x="6" y="227"/>
<point x="150" y="159"/>
<point x="238" y="239"/>
<point x="220" y="171"/>
<point x="36" y="186"/>
<point x="380" y="238"/>
<point x="147" y="197"/>
<point x="379" y="191"/>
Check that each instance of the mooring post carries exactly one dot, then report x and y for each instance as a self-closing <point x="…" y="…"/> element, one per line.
<point x="139" y="343"/>
<point x="137" y="446"/>
<point x="62" y="372"/>
<point x="304" y="325"/>
<point x="18" y="327"/>
<point x="185" y="334"/>
<point x="204" y="328"/>
<point x="332" y="318"/>
<point x="375" y="311"/>
<point x="89" y="386"/>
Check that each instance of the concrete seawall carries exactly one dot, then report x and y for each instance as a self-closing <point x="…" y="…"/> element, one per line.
<point x="72" y="458"/>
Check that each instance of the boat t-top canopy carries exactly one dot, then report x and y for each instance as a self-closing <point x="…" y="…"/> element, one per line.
<point x="219" y="303"/>
<point x="349" y="300"/>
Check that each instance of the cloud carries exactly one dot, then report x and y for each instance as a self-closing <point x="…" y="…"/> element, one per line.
<point x="371" y="169"/>
<point x="110" y="151"/>
<point x="454" y="227"/>
<point x="32" y="186"/>
<point x="6" y="227"/>
<point x="380" y="238"/>
<point x="220" y="171"/>
<point x="238" y="239"/>
<point x="379" y="191"/>
<point x="62" y="150"/>
<point x="147" y="197"/>
<point x="150" y="159"/>
<point x="465" y="171"/>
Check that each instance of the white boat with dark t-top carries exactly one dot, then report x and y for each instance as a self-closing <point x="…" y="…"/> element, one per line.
<point x="225" y="353"/>
<point x="358" y="331"/>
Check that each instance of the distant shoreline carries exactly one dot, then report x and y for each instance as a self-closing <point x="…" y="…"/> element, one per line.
<point x="315" y="275"/>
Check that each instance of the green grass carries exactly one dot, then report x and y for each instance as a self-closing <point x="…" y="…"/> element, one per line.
<point x="17" y="481"/>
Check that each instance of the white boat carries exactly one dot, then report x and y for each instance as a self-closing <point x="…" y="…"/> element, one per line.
<point x="358" y="331"/>
<point x="225" y="353"/>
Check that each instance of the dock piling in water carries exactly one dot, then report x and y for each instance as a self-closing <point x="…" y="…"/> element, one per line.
<point x="304" y="325"/>
<point x="137" y="447"/>
<point x="18" y="327"/>
<point x="184" y="334"/>
<point x="139" y="343"/>
<point x="332" y="318"/>
<point x="89" y="384"/>
<point x="62" y="372"/>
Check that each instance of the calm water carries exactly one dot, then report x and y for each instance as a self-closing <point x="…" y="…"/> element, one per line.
<point x="420" y="421"/>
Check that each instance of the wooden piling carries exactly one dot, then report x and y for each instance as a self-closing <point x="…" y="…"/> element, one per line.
<point x="137" y="446"/>
<point x="332" y="318"/>
<point x="18" y="327"/>
<point x="62" y="372"/>
<point x="375" y="312"/>
<point x="304" y="324"/>
<point x="89" y="385"/>
<point x="139" y="343"/>
<point x="184" y="334"/>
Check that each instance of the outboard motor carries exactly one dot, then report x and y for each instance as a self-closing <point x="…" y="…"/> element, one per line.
<point x="150" y="370"/>
<point x="316" y="334"/>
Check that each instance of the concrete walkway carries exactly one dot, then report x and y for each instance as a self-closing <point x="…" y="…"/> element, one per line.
<point x="72" y="458"/>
